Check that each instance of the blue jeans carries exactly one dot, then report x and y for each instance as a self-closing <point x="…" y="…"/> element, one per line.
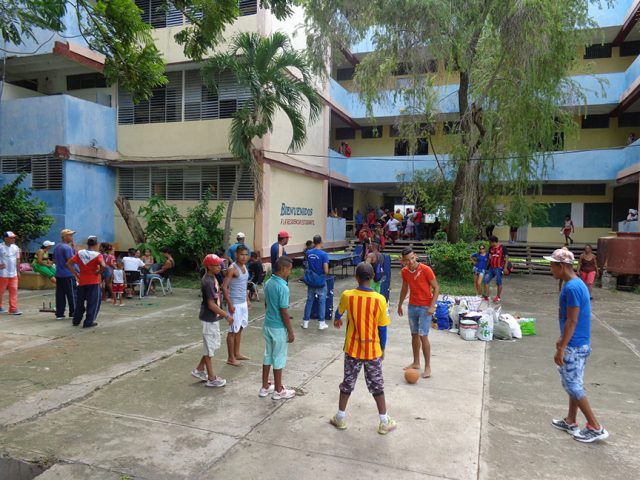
<point x="419" y="320"/>
<point x="493" y="273"/>
<point x="321" y="292"/>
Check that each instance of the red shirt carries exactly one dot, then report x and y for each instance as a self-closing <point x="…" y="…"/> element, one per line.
<point x="371" y="218"/>
<point x="417" y="218"/>
<point x="89" y="274"/>
<point x="420" y="293"/>
<point x="496" y="256"/>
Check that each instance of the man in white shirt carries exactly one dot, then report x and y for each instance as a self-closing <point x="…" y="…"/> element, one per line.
<point x="392" y="229"/>
<point x="9" y="260"/>
<point x="132" y="266"/>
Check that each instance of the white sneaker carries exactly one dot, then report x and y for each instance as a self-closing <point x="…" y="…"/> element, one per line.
<point x="200" y="374"/>
<point x="322" y="325"/>
<point x="266" y="391"/>
<point x="216" y="382"/>
<point x="305" y="324"/>
<point x="284" y="394"/>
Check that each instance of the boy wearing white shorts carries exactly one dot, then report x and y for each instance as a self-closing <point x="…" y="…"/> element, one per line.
<point x="234" y="289"/>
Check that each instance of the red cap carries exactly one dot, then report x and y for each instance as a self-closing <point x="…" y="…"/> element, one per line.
<point x="283" y="234"/>
<point x="212" y="259"/>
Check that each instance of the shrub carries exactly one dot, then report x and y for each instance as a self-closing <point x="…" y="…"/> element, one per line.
<point x="451" y="260"/>
<point x="440" y="236"/>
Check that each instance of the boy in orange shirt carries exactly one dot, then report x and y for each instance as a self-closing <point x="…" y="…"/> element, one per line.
<point x="420" y="280"/>
<point x="364" y="344"/>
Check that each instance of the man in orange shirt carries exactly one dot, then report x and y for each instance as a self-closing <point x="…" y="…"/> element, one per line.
<point x="421" y="282"/>
<point x="366" y="336"/>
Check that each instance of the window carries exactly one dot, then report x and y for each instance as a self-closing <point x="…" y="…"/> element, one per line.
<point x="345" y="133"/>
<point x="345" y="73"/>
<point x="86" y="80"/>
<point x="556" y="213"/>
<point x="630" y="49"/>
<point x="597" y="215"/>
<point x="595" y="121"/>
<point x="372" y="132"/>
<point x="248" y="7"/>
<point x="45" y="170"/>
<point x="401" y="148"/>
<point x="451" y="128"/>
<point x="574" y="189"/>
<point x="184" y="183"/>
<point x="598" y="51"/>
<point x="629" y="120"/>
<point x="163" y="13"/>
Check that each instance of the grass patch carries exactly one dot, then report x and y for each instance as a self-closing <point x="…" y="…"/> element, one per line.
<point x="456" y="287"/>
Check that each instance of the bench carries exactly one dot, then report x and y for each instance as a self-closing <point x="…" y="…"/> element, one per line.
<point x="34" y="281"/>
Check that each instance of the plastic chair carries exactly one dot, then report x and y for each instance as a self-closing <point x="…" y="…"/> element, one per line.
<point x="134" y="279"/>
<point x="165" y="281"/>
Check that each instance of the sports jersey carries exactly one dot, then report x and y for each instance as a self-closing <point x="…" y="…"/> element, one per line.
<point x="420" y="293"/>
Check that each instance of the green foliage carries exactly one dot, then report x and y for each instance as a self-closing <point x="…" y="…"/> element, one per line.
<point x="190" y="237"/>
<point x="440" y="236"/>
<point x="451" y="260"/>
<point x="522" y="212"/>
<point x="22" y="213"/>
<point x="429" y="189"/>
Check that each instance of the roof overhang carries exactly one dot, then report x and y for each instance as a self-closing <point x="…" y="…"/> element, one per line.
<point x="628" y="175"/>
<point x="632" y="17"/>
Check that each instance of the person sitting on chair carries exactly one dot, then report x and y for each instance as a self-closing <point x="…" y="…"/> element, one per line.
<point x="132" y="266"/>
<point x="256" y="275"/>
<point x="163" y="271"/>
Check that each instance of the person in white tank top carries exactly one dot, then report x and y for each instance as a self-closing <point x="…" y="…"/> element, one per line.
<point x="234" y="289"/>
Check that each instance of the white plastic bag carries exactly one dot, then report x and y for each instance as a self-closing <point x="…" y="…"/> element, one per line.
<point x="485" y="326"/>
<point x="513" y="324"/>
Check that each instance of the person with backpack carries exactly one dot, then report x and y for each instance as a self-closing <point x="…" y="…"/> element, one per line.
<point x="315" y="278"/>
<point x="498" y="259"/>
<point x="376" y="260"/>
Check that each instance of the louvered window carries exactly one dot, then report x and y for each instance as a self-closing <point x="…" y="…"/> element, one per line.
<point x="45" y="170"/>
<point x="187" y="183"/>
<point x="159" y="14"/>
<point x="248" y="7"/>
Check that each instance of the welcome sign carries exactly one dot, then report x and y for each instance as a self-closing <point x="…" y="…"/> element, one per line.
<point x="296" y="215"/>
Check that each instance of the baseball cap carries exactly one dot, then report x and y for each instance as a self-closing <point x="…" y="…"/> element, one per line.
<point x="240" y="235"/>
<point x="364" y="271"/>
<point x="212" y="259"/>
<point x="9" y="234"/>
<point x="561" y="256"/>
<point x="283" y="234"/>
<point x="67" y="231"/>
<point x="48" y="243"/>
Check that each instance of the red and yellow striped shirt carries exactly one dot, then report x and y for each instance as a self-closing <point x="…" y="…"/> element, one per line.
<point x="366" y="311"/>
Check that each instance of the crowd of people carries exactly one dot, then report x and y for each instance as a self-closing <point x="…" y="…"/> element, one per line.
<point x="412" y="225"/>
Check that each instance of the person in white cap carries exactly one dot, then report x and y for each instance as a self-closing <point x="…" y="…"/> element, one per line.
<point x="9" y="275"/>
<point x="231" y="251"/>
<point x="573" y="348"/>
<point x="42" y="264"/>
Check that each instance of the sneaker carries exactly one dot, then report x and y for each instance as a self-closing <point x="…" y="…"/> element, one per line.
<point x="485" y="298"/>
<point x="60" y="318"/>
<point x="496" y="300"/>
<point x="339" y="424"/>
<point x="385" y="428"/>
<point x="322" y="325"/>
<point x="17" y="312"/>
<point x="284" y="394"/>
<point x="588" y="435"/>
<point x="199" y="374"/>
<point x="1" y="310"/>
<point x="264" y="392"/>
<point x="305" y="324"/>
<point x="561" y="424"/>
<point x="216" y="383"/>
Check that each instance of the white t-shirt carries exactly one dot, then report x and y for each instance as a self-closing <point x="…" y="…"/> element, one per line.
<point x="118" y="276"/>
<point x="132" y="264"/>
<point x="9" y="255"/>
<point x="393" y="225"/>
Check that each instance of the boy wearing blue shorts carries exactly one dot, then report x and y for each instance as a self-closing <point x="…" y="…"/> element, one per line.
<point x="498" y="258"/>
<point x="277" y="330"/>
<point x="573" y="348"/>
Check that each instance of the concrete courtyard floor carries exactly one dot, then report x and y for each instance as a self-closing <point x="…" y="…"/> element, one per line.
<point x="118" y="402"/>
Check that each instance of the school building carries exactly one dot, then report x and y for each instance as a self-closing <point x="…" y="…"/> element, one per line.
<point x="83" y="143"/>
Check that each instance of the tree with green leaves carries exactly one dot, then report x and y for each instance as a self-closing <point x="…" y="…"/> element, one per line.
<point x="115" y="29"/>
<point x="22" y="213"/>
<point x="277" y="78"/>
<point x="511" y="62"/>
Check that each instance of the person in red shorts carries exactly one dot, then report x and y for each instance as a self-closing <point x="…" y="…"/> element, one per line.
<point x="588" y="268"/>
<point x="119" y="282"/>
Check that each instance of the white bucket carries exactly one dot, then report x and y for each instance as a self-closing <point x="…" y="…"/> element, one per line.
<point x="468" y="329"/>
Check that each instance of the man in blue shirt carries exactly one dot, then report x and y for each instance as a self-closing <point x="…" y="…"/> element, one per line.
<point x="277" y="249"/>
<point x="318" y="262"/>
<point x="65" y="279"/>
<point x="231" y="251"/>
<point x="359" y="221"/>
<point x="573" y="348"/>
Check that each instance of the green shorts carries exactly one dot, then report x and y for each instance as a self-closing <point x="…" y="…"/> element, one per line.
<point x="275" y="352"/>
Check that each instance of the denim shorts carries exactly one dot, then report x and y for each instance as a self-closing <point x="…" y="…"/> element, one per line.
<point x="491" y="273"/>
<point x="572" y="372"/>
<point x="275" y="352"/>
<point x="478" y="271"/>
<point x="419" y="320"/>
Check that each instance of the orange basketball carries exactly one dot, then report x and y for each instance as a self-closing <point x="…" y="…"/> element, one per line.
<point x="411" y="375"/>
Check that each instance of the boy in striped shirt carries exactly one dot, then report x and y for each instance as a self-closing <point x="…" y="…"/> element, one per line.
<point x="366" y="336"/>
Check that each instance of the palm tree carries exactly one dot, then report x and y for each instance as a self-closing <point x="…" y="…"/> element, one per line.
<point x="276" y="77"/>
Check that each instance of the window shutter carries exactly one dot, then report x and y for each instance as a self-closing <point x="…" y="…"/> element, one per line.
<point x="248" y="7"/>
<point x="141" y="190"/>
<point x="125" y="182"/>
<point x="175" y="190"/>
<point x="192" y="95"/>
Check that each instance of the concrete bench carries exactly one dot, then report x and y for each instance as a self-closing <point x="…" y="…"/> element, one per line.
<point x="34" y="281"/>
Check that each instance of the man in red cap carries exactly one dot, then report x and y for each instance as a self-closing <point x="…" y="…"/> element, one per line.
<point x="9" y="261"/>
<point x="210" y="315"/>
<point x="277" y="249"/>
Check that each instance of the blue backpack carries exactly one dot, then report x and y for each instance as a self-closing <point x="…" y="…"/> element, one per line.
<point x="313" y="279"/>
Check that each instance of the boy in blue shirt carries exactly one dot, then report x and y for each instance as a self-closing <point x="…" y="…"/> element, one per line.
<point x="318" y="262"/>
<point x="573" y="348"/>
<point x="480" y="260"/>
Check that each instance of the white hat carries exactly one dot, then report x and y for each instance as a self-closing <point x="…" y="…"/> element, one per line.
<point x="561" y="255"/>
<point x="240" y="235"/>
<point x="48" y="243"/>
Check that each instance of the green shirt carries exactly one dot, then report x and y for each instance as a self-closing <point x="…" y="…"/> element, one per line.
<point x="276" y="296"/>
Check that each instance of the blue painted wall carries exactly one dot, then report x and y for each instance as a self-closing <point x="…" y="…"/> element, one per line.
<point x="89" y="192"/>
<point x="32" y="126"/>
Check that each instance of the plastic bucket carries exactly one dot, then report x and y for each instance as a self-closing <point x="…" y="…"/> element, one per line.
<point x="468" y="329"/>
